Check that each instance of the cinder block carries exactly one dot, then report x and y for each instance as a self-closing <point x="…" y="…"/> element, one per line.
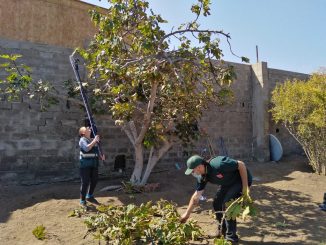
<point x="19" y="136"/>
<point x="48" y="115"/>
<point x="5" y="105"/>
<point x="46" y="55"/>
<point x="72" y="123"/>
<point x="29" y="144"/>
<point x="10" y="148"/>
<point x="12" y="163"/>
<point x="7" y="177"/>
<point x="20" y="106"/>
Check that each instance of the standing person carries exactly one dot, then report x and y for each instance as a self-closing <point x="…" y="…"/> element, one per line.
<point x="234" y="179"/>
<point x="88" y="165"/>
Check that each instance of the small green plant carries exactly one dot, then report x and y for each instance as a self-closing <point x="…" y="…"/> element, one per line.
<point x="39" y="232"/>
<point x="281" y="224"/>
<point x="221" y="241"/>
<point x="77" y="212"/>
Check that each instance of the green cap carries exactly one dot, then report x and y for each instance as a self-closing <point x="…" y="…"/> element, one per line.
<point x="193" y="162"/>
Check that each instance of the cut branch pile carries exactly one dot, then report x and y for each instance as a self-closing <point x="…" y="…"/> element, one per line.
<point x="144" y="224"/>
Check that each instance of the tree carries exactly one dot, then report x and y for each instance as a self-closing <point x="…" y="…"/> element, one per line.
<point x="301" y="107"/>
<point x="154" y="93"/>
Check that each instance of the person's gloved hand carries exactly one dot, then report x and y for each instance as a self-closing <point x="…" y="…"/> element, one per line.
<point x="246" y="194"/>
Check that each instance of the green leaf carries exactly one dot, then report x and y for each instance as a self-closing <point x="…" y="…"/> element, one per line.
<point x="245" y="59"/>
<point x="15" y="57"/>
<point x="5" y="56"/>
<point x="5" y="65"/>
<point x="246" y="212"/>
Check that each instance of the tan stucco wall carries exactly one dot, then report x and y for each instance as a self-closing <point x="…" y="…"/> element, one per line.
<point x="57" y="22"/>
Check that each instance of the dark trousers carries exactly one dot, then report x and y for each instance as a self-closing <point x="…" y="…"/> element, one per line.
<point x="223" y="195"/>
<point x="88" y="177"/>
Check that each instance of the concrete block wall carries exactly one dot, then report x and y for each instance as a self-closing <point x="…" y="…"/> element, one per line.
<point x="36" y="142"/>
<point x="232" y="122"/>
<point x="40" y="145"/>
<point x="44" y="145"/>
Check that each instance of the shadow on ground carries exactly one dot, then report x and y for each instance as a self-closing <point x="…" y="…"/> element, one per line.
<point x="286" y="213"/>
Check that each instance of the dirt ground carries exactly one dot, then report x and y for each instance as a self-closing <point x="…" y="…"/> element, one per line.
<point x="287" y="194"/>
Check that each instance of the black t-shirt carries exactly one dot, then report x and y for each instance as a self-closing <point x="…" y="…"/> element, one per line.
<point x="221" y="170"/>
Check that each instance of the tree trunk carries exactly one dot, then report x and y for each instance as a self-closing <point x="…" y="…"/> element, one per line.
<point x="136" y="175"/>
<point x="153" y="159"/>
<point x="150" y="165"/>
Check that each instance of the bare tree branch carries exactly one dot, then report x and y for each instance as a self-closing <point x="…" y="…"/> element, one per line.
<point x="147" y="116"/>
<point x="128" y="133"/>
<point x="193" y="31"/>
<point x="133" y="129"/>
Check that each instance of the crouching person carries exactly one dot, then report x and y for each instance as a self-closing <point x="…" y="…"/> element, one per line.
<point x="233" y="178"/>
<point x="88" y="165"/>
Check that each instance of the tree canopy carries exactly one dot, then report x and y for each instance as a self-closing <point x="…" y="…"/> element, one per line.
<point x="155" y="93"/>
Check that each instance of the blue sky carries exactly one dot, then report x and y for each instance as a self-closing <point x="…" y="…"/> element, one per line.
<point x="290" y="34"/>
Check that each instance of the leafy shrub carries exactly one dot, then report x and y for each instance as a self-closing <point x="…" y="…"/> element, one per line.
<point x="145" y="224"/>
<point x="301" y="107"/>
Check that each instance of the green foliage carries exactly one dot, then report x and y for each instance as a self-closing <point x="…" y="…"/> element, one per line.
<point x="221" y="241"/>
<point x="147" y="223"/>
<point x="132" y="62"/>
<point x="19" y="83"/>
<point x="18" y="77"/>
<point x="77" y="212"/>
<point x="39" y="232"/>
<point x="241" y="207"/>
<point x="301" y="107"/>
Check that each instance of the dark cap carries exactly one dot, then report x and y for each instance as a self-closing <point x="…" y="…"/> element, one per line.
<point x="192" y="163"/>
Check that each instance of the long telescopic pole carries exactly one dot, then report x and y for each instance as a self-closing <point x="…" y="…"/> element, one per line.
<point x="74" y="64"/>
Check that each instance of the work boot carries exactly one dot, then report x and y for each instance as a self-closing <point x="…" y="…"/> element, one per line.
<point x="83" y="205"/>
<point x="234" y="240"/>
<point x="231" y="231"/>
<point x="92" y="200"/>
